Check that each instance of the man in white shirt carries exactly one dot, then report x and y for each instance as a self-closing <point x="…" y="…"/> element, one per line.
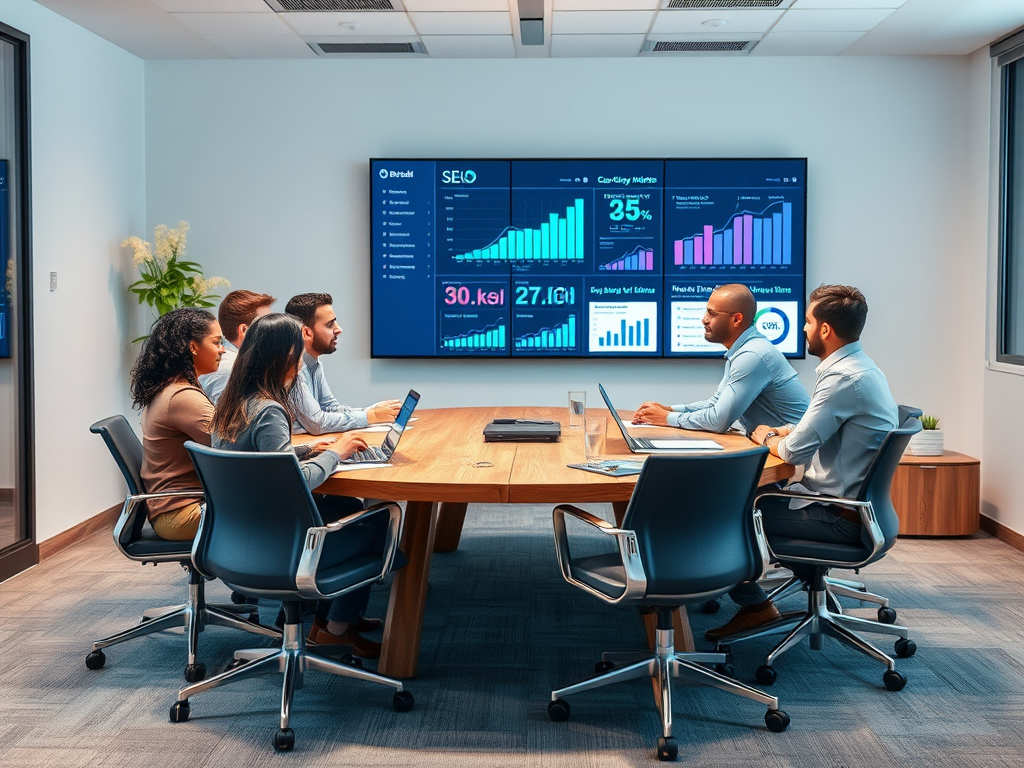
<point x="236" y="313"/>
<point x="317" y="410"/>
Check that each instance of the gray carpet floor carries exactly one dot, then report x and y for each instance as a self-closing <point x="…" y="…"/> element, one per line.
<point x="502" y="629"/>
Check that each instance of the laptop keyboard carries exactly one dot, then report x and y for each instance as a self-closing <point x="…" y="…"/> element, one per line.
<point x="370" y="454"/>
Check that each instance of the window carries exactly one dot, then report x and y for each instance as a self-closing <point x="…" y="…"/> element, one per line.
<point x="1010" y="317"/>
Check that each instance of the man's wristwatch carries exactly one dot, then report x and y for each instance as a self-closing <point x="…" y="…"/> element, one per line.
<point x="770" y="433"/>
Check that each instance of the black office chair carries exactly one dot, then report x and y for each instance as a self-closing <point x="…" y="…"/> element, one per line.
<point x="137" y="541"/>
<point x="811" y="561"/>
<point x="261" y="534"/>
<point x="690" y="534"/>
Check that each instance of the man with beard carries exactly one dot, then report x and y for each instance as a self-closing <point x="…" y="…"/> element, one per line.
<point x="759" y="385"/>
<point x="851" y="412"/>
<point x="317" y="410"/>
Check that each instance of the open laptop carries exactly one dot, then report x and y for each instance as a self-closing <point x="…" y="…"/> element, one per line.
<point x="658" y="444"/>
<point x="383" y="454"/>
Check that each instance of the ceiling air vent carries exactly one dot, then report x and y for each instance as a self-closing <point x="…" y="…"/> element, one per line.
<point x="363" y="49"/>
<point x="700" y="46"/>
<point x="725" y="5"/>
<point x="292" y="6"/>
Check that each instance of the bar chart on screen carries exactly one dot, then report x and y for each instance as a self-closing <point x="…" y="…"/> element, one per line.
<point x="491" y="336"/>
<point x="624" y="327"/>
<point x="560" y="238"/>
<point x="554" y="337"/>
<point x="640" y="259"/>
<point x="758" y="238"/>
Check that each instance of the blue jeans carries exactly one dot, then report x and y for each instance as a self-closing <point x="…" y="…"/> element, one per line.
<point x="815" y="522"/>
<point x="362" y="538"/>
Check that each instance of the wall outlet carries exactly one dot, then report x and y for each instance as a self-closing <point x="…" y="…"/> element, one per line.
<point x="53" y="281"/>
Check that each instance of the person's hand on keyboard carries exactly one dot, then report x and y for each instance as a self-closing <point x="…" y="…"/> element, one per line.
<point x="346" y="445"/>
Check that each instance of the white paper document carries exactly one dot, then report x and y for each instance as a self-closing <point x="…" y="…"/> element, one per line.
<point x="359" y="465"/>
<point x="689" y="445"/>
<point x="380" y="428"/>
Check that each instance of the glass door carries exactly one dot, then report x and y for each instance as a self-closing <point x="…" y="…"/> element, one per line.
<point x="18" y="548"/>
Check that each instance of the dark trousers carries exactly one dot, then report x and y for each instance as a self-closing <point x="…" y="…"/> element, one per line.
<point x="815" y="522"/>
<point x="362" y="538"/>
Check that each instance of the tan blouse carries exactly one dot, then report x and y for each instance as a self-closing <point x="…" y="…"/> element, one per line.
<point x="178" y="413"/>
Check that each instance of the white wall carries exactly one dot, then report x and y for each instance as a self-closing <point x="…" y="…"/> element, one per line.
<point x="268" y="162"/>
<point x="88" y="183"/>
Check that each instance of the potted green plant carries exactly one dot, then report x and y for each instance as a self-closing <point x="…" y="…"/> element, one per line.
<point x="167" y="280"/>
<point x="929" y="441"/>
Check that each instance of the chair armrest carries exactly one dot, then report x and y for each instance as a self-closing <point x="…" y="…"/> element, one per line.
<point x="309" y="562"/>
<point x="762" y="542"/>
<point x="130" y="510"/>
<point x="636" y="578"/>
<point x="867" y="519"/>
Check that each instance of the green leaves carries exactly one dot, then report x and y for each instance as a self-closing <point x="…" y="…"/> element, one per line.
<point x="929" y="422"/>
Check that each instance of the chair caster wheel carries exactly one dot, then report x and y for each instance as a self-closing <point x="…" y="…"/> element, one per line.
<point x="893" y="680"/>
<point x="180" y="711"/>
<point x="667" y="748"/>
<point x="776" y="720"/>
<point x="195" y="672"/>
<point x="886" y="615"/>
<point x="95" y="660"/>
<point x="905" y="648"/>
<point x="238" y="598"/>
<point x="766" y="675"/>
<point x="558" y="710"/>
<point x="284" y="739"/>
<point x="403" y="701"/>
<point x="725" y="670"/>
<point x="603" y="666"/>
<point x="711" y="606"/>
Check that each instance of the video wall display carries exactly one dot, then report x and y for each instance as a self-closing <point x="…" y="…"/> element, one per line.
<point x="581" y="258"/>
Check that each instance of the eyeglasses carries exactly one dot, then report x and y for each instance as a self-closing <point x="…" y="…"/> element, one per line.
<point x="712" y="313"/>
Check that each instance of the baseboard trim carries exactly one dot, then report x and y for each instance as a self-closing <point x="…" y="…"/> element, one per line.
<point x="103" y="521"/>
<point x="1001" y="532"/>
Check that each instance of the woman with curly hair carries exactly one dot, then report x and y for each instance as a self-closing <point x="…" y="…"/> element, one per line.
<point x="182" y="345"/>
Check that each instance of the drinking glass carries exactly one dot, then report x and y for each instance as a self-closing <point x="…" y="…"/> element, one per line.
<point x="594" y="434"/>
<point x="577" y="409"/>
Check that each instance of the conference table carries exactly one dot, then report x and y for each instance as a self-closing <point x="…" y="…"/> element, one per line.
<point x="443" y="464"/>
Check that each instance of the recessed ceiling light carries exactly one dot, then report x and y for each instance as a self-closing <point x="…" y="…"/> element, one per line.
<point x="715" y="23"/>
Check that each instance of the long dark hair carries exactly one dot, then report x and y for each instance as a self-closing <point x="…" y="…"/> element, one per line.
<point x="166" y="356"/>
<point x="271" y="348"/>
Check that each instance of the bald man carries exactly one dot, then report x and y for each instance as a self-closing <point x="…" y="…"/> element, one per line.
<point x="758" y="383"/>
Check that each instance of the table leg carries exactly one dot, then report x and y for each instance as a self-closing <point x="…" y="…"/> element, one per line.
<point x="450" y="519"/>
<point x="400" y="653"/>
<point x="619" y="510"/>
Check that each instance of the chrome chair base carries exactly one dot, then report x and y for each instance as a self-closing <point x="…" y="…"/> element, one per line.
<point x="784" y="584"/>
<point x="664" y="665"/>
<point x="293" y="661"/>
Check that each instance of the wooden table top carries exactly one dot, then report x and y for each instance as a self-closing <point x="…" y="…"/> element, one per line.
<point x="444" y="458"/>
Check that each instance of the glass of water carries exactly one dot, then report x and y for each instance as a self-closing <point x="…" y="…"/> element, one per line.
<point x="595" y="432"/>
<point x="577" y="409"/>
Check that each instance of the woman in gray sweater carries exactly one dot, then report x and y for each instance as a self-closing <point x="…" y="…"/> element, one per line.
<point x="253" y="415"/>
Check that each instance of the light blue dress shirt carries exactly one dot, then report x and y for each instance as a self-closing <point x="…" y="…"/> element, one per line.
<point x="759" y="386"/>
<point x="850" y="413"/>
<point x="213" y="383"/>
<point x="317" y="410"/>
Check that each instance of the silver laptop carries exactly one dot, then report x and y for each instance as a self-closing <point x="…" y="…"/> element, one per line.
<point x="383" y="454"/>
<point x="658" y="444"/>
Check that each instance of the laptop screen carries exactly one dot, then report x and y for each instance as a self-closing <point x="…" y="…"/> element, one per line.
<point x="615" y="414"/>
<point x="392" y="437"/>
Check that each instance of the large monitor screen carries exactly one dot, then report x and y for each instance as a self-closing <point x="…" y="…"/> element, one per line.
<point x="580" y="258"/>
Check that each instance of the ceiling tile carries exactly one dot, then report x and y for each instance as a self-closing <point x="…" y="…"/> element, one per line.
<point x="213" y="6"/>
<point x="600" y="22"/>
<point x="456" y="5"/>
<point x="596" y="46"/>
<point x="262" y="46"/>
<point x="831" y="21"/>
<point x="670" y="22"/>
<point x="841" y="4"/>
<point x="805" y="43"/>
<point x="233" y="23"/>
<point x="470" y="46"/>
<point x="462" y="23"/>
<point x="606" y="5"/>
<point x="330" y="24"/>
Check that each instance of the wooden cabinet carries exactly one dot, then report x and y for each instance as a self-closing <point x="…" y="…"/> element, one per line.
<point x="937" y="495"/>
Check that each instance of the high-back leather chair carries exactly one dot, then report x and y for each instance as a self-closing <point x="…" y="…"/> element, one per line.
<point x="811" y="561"/>
<point x="137" y="541"/>
<point x="261" y="533"/>
<point x="690" y="534"/>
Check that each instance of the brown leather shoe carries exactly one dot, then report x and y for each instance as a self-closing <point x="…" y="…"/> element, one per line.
<point x="367" y="625"/>
<point x="748" y="617"/>
<point x="361" y="647"/>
